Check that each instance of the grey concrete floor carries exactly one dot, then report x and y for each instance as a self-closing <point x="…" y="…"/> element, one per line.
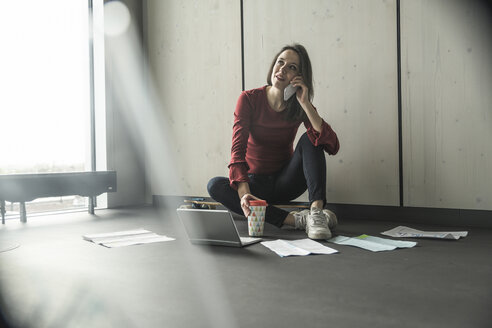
<point x="56" y="279"/>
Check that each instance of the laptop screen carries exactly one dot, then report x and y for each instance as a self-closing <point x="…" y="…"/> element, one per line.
<point x="213" y="227"/>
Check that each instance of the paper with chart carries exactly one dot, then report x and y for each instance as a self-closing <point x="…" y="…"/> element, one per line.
<point x="403" y="231"/>
<point x="126" y="238"/>
<point x="374" y="244"/>
<point x="300" y="247"/>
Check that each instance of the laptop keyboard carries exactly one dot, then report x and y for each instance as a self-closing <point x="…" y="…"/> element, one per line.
<point x="248" y="239"/>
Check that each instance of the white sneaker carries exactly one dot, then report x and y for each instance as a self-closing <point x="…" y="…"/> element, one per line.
<point x="301" y="217"/>
<point x="317" y="225"/>
<point x="332" y="219"/>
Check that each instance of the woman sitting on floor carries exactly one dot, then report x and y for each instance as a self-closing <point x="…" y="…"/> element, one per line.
<point x="263" y="163"/>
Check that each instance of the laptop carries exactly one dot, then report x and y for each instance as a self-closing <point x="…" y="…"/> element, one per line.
<point x="212" y="227"/>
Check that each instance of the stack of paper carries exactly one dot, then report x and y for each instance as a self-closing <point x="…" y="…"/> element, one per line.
<point x="126" y="238"/>
<point x="374" y="244"/>
<point x="403" y="231"/>
<point x="301" y="247"/>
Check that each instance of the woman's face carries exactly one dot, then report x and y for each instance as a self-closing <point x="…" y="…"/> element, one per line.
<point x="285" y="69"/>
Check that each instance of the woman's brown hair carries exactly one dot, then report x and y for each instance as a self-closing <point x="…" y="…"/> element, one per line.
<point x="293" y="110"/>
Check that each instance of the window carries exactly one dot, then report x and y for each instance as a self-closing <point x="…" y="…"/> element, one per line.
<point x="45" y="83"/>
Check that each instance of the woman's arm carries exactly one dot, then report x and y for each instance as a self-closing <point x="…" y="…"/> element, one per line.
<point x="243" y="189"/>
<point x="319" y="132"/>
<point x="313" y="116"/>
<point x="238" y="167"/>
<point x="302" y="95"/>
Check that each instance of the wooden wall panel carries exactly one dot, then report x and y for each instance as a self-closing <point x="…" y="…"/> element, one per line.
<point x="194" y="50"/>
<point x="447" y="103"/>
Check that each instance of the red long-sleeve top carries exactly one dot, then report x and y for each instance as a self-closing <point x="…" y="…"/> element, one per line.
<point x="263" y="141"/>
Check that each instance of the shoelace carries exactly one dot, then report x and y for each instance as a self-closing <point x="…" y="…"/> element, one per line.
<point x="319" y="222"/>
<point x="319" y="219"/>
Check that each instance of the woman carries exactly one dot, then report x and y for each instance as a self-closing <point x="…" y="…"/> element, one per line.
<point x="263" y="163"/>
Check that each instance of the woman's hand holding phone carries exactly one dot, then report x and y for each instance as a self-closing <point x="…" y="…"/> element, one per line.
<point x="289" y="91"/>
<point x="302" y="91"/>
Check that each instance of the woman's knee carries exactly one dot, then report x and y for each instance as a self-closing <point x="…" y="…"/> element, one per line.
<point x="305" y="144"/>
<point x="304" y="139"/>
<point x="216" y="185"/>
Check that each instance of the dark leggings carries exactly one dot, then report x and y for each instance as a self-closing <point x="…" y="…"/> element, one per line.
<point x="305" y="170"/>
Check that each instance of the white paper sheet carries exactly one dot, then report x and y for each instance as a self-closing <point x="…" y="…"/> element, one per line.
<point x="374" y="244"/>
<point x="126" y="238"/>
<point x="312" y="246"/>
<point x="402" y="231"/>
<point x="148" y="240"/>
<point x="301" y="247"/>
<point x="390" y="242"/>
<point x="96" y="237"/>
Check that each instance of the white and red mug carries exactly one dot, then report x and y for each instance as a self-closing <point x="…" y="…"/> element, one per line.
<point x="256" y="219"/>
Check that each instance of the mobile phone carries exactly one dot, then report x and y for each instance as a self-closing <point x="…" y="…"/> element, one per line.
<point x="289" y="91"/>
